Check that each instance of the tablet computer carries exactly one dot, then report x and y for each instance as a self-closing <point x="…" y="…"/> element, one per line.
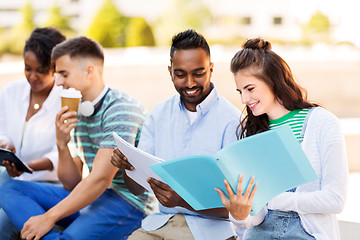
<point x="10" y="156"/>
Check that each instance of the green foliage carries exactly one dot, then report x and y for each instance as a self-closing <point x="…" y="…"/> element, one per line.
<point x="194" y="13"/>
<point x="228" y="41"/>
<point x="317" y="30"/>
<point x="57" y="20"/>
<point x="346" y="43"/>
<point x="13" y="40"/>
<point x="139" y="33"/>
<point x="319" y="23"/>
<point x="27" y="24"/>
<point x="183" y="15"/>
<point x="108" y="26"/>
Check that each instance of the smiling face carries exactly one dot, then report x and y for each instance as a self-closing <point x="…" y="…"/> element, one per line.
<point x="191" y="71"/>
<point x="257" y="95"/>
<point x="71" y="73"/>
<point x="40" y="77"/>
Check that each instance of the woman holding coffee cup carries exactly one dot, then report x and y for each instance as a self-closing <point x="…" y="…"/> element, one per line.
<point x="27" y="116"/>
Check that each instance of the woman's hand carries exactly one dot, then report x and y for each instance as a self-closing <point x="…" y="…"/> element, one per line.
<point x="239" y="205"/>
<point x="12" y="169"/>
<point x="7" y="145"/>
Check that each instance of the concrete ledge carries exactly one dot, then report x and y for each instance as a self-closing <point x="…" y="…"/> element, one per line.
<point x="349" y="230"/>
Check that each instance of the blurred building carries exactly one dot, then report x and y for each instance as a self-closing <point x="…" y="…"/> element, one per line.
<point x="279" y="19"/>
<point x="284" y="19"/>
<point x="253" y="19"/>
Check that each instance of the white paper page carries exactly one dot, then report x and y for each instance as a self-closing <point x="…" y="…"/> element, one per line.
<point x="140" y="160"/>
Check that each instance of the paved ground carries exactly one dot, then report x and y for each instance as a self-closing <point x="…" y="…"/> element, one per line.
<point x="349" y="230"/>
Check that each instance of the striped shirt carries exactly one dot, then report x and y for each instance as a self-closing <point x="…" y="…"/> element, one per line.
<point x="295" y="119"/>
<point x="116" y="112"/>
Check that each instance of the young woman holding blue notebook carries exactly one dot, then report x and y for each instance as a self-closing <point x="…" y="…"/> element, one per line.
<point x="273" y="98"/>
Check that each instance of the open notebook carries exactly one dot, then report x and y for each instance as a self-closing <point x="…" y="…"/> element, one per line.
<point x="274" y="157"/>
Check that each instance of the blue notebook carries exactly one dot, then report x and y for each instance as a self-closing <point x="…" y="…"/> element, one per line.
<point x="274" y="157"/>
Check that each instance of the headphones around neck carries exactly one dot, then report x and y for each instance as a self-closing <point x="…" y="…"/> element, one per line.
<point x="87" y="108"/>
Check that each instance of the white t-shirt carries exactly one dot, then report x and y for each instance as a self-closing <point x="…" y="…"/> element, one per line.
<point x="192" y="116"/>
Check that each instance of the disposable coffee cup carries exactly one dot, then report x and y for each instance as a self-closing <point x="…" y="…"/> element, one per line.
<point x="70" y="98"/>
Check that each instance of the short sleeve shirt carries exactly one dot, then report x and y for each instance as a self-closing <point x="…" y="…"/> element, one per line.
<point x="119" y="113"/>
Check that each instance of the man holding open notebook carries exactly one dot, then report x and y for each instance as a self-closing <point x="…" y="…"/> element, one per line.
<point x="195" y="121"/>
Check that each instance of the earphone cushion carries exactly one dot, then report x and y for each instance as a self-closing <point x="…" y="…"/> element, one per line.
<point x="86" y="108"/>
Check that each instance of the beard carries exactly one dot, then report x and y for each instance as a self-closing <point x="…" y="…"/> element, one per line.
<point x="197" y="98"/>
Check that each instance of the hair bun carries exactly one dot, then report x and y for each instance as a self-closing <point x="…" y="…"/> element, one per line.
<point x="257" y="43"/>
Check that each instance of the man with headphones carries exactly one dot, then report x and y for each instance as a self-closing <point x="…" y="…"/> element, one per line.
<point x="109" y="210"/>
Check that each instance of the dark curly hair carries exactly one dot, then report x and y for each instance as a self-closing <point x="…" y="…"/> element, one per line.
<point x="41" y="42"/>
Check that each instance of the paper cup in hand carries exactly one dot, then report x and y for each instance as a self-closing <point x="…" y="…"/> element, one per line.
<point x="71" y="98"/>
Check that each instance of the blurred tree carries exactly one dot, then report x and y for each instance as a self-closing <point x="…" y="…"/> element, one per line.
<point x="13" y="40"/>
<point x="57" y="20"/>
<point x="319" y="22"/>
<point x="182" y="15"/>
<point x="195" y="13"/>
<point x="139" y="33"/>
<point x="27" y="24"/>
<point x="108" y="26"/>
<point x="318" y="29"/>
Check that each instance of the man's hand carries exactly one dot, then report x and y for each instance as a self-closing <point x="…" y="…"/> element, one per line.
<point x="169" y="198"/>
<point x="36" y="227"/>
<point x="11" y="169"/>
<point x="7" y="145"/>
<point x="119" y="160"/>
<point x="64" y="122"/>
<point x="166" y="195"/>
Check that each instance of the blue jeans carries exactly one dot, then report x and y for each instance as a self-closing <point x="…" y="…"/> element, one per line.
<point x="109" y="217"/>
<point x="279" y="225"/>
<point x="7" y="229"/>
